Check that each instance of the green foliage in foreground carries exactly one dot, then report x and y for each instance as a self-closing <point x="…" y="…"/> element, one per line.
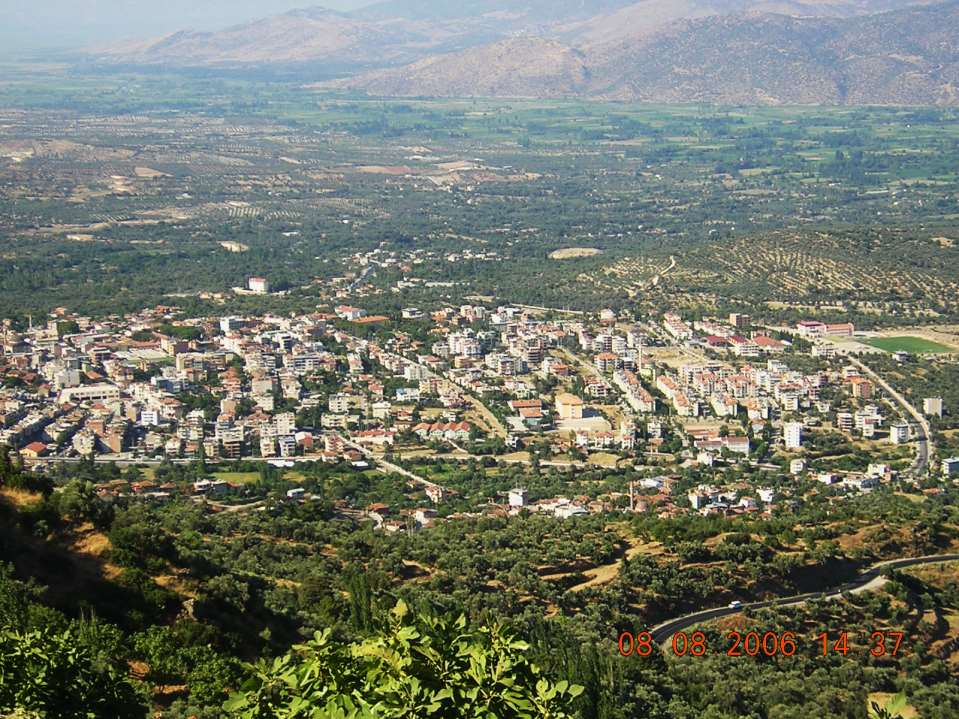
<point x="424" y="667"/>
<point x="61" y="674"/>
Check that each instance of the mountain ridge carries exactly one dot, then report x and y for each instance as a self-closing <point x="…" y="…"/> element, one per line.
<point x="724" y="51"/>
<point x="902" y="57"/>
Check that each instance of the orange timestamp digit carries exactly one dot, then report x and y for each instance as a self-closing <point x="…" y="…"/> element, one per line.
<point x="640" y="644"/>
<point x="768" y="644"/>
<point x="694" y="644"/>
<point x="839" y="646"/>
<point x="878" y="643"/>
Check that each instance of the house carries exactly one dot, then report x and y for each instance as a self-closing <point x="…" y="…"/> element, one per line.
<point x="769" y="345"/>
<point x="520" y="404"/>
<point x="435" y="493"/>
<point x="597" y="388"/>
<point x="208" y="486"/>
<point x="532" y="417"/>
<point x="568" y="511"/>
<point x="455" y="431"/>
<point x="766" y="495"/>
<point x="739" y="321"/>
<point x="517" y="497"/>
<point x="349" y="313"/>
<point x="376" y="437"/>
<point x="34" y="450"/>
<point x="950" y="467"/>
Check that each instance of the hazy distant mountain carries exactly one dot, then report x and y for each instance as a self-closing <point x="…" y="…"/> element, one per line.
<point x="768" y="51"/>
<point x="905" y="57"/>
<point x="636" y="19"/>
<point x="308" y="35"/>
<point x="402" y="31"/>
<point x="538" y="11"/>
<point x="384" y="34"/>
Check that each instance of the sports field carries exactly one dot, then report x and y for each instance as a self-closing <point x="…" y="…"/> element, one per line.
<point x="914" y="345"/>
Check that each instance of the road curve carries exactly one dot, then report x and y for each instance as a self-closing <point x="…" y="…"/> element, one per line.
<point x="867" y="580"/>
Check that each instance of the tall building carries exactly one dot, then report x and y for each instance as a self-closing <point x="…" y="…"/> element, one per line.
<point x="932" y="406"/>
<point x="899" y="433"/>
<point x="792" y="432"/>
<point x="739" y="321"/>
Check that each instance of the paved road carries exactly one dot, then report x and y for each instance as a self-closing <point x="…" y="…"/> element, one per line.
<point x="868" y="580"/>
<point x="925" y="447"/>
<point x="362" y="277"/>
<point x="491" y="419"/>
<point x="575" y="313"/>
<point x="389" y="466"/>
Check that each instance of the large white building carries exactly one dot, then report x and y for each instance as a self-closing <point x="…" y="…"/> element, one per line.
<point x="932" y="406"/>
<point x="90" y="393"/>
<point x="899" y="433"/>
<point x="517" y="498"/>
<point x="792" y="433"/>
<point x="259" y="285"/>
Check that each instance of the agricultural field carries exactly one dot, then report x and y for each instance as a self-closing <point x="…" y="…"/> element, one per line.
<point x="551" y="203"/>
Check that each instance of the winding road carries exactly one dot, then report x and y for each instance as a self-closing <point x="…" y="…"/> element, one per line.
<point x="870" y="579"/>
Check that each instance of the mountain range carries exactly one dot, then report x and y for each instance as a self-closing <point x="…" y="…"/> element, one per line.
<point x="722" y="51"/>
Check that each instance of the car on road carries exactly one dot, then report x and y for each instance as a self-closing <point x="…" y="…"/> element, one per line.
<point x="736" y="604"/>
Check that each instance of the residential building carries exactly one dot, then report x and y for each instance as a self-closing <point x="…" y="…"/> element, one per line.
<point x="517" y="497"/>
<point x="899" y="433"/>
<point x="792" y="433"/>
<point x="932" y="406"/>
<point x="739" y="321"/>
<point x="569" y="406"/>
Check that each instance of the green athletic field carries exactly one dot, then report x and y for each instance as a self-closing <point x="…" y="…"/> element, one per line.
<point x="914" y="345"/>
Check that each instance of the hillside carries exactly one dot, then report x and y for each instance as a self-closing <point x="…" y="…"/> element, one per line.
<point x="906" y="57"/>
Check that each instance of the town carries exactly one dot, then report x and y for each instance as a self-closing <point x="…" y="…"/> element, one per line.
<point x="676" y="403"/>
